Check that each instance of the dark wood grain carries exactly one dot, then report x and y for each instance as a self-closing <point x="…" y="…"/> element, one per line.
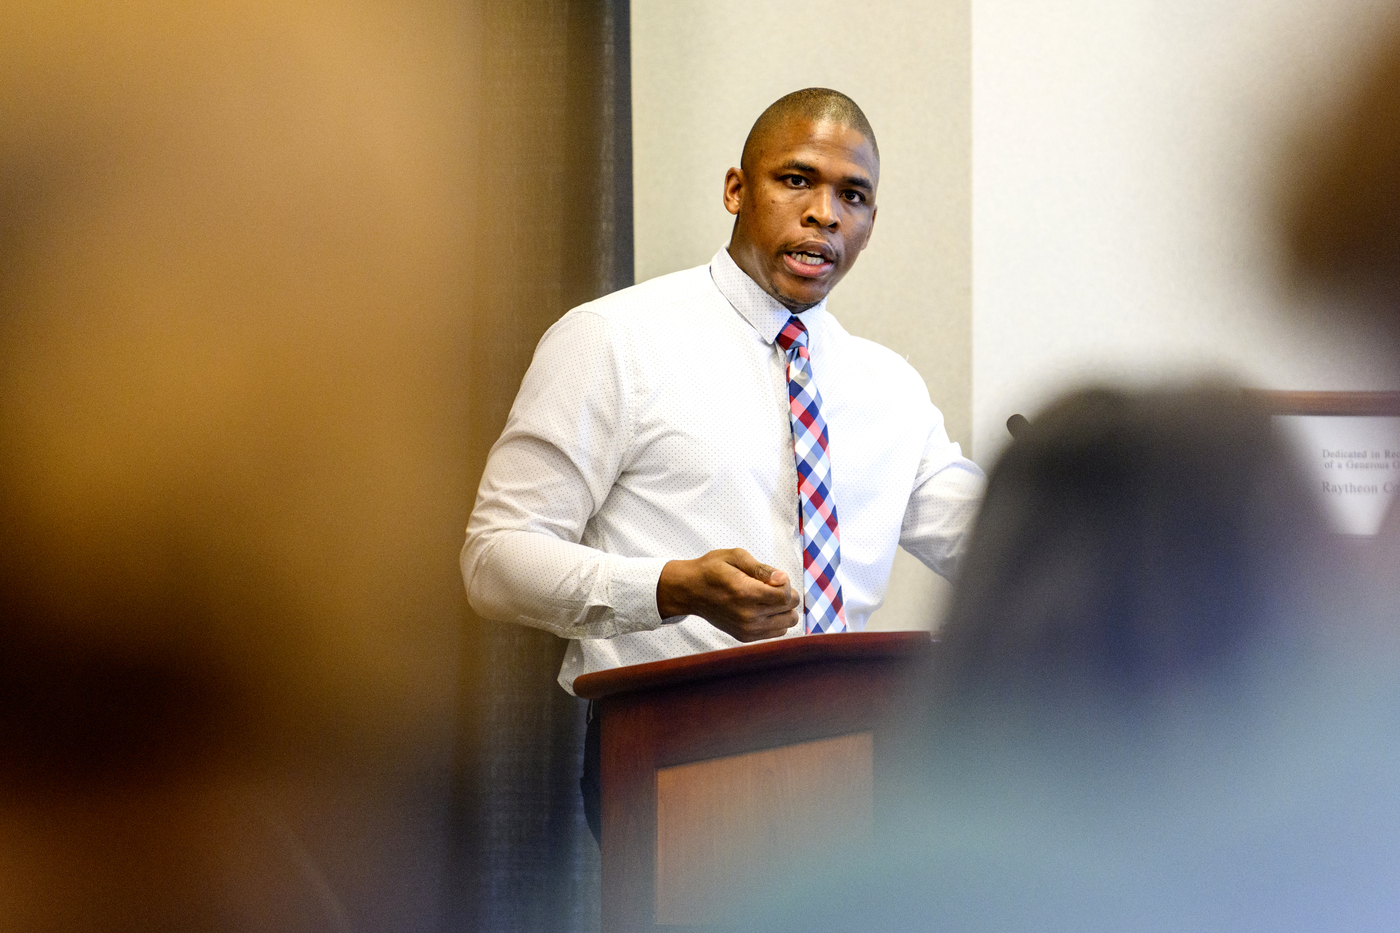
<point x="763" y="655"/>
<point x="730" y="829"/>
<point x="723" y="703"/>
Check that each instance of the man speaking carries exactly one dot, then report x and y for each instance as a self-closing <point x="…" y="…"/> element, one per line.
<point x="708" y="458"/>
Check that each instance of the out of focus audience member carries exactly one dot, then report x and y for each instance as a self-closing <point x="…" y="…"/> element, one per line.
<point x="1132" y="540"/>
<point x="232" y="322"/>
<point x="1118" y="733"/>
<point x="1138" y="717"/>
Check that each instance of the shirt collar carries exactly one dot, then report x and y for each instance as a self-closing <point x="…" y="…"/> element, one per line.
<point x="756" y="306"/>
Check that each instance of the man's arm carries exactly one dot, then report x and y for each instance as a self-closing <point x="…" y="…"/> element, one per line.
<point x="942" y="505"/>
<point x="565" y="443"/>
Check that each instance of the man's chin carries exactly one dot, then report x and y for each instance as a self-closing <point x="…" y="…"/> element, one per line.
<point x="796" y="300"/>
<point x="798" y="294"/>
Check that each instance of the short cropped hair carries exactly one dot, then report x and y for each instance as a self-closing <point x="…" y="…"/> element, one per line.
<point x="813" y="103"/>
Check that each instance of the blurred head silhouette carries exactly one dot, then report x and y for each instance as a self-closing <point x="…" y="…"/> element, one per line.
<point x="1129" y="541"/>
<point x="230" y="329"/>
<point x="1128" y="723"/>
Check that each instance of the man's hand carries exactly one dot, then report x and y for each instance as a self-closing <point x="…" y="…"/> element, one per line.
<point x="732" y="591"/>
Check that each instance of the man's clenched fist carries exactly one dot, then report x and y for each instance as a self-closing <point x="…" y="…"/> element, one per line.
<point x="732" y="591"/>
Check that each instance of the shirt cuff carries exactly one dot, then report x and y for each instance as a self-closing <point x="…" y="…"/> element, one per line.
<point x="633" y="593"/>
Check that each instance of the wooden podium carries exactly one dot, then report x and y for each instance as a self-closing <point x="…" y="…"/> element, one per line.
<point x="722" y="770"/>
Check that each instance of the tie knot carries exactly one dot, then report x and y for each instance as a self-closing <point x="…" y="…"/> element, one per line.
<point x="793" y="334"/>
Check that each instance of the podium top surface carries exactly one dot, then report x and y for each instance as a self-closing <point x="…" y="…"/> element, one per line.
<point x="759" y="656"/>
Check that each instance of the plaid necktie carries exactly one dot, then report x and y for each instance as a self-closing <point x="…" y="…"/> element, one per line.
<point x="816" y="516"/>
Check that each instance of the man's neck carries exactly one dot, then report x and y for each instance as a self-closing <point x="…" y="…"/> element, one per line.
<point x="745" y="265"/>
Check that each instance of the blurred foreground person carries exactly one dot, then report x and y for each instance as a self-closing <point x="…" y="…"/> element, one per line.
<point x="1133" y="539"/>
<point x="231" y="322"/>
<point x="1137" y="719"/>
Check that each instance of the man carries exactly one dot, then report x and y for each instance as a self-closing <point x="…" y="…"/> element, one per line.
<point x="684" y="452"/>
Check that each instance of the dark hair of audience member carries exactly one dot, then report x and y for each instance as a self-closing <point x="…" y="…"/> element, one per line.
<point x="1129" y="542"/>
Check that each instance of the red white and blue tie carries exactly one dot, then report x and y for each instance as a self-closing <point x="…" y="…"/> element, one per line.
<point x="824" y="610"/>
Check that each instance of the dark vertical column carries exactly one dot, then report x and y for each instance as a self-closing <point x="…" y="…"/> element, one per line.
<point x="598" y="99"/>
<point x="554" y="230"/>
<point x="611" y="137"/>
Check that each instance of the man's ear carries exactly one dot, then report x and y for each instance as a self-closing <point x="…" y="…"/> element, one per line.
<point x="868" y="230"/>
<point x="733" y="189"/>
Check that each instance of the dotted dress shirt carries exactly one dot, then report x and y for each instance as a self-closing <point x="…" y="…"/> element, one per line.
<point x="652" y="425"/>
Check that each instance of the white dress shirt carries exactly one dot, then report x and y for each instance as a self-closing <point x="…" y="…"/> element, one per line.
<point x="653" y="425"/>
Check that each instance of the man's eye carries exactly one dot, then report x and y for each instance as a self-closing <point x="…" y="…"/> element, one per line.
<point x="855" y="197"/>
<point x="797" y="181"/>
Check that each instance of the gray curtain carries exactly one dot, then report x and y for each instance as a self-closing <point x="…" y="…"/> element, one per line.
<point x="555" y="230"/>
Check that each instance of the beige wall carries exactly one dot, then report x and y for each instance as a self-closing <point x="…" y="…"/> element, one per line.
<point x="701" y="74"/>
<point x="1125" y="168"/>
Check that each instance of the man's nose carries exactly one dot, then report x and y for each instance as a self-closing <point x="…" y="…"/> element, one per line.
<point x="821" y="208"/>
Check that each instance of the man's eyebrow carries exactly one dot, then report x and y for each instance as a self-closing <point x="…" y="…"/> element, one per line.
<point x="850" y="181"/>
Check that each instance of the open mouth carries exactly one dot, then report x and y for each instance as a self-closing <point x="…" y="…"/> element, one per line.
<point x="807" y="262"/>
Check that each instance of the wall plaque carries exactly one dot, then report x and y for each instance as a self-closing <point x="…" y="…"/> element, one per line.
<point x="1349" y="445"/>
